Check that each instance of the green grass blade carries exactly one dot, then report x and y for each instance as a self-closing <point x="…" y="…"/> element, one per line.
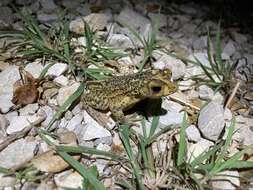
<point x="66" y="105"/>
<point x="154" y="125"/>
<point x="182" y="141"/>
<point x="218" y="51"/>
<point x="204" y="69"/>
<point x="82" y="170"/>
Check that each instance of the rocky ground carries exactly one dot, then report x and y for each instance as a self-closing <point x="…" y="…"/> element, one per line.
<point x="182" y="37"/>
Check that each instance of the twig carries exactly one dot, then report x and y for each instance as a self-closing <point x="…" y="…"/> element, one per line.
<point x="233" y="94"/>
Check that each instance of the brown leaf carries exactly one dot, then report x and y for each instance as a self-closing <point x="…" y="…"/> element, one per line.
<point x="26" y="93"/>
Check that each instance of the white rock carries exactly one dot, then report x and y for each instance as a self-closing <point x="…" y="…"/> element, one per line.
<point x="68" y="115"/>
<point x="47" y="18"/>
<point x="185" y="84"/>
<point x="5" y="102"/>
<point x="171" y="118"/>
<point x="82" y="41"/>
<point x="127" y="60"/>
<point x="120" y="41"/>
<point x="205" y="92"/>
<point x="244" y="130"/>
<point x="57" y="69"/>
<point x="68" y="179"/>
<point x="198" y="148"/>
<point x="131" y="18"/>
<point x="202" y="57"/>
<point x="176" y="66"/>
<point x="172" y="106"/>
<point x="17" y="153"/>
<point x="18" y="123"/>
<point x="192" y="70"/>
<point x="92" y="129"/>
<point x="34" y="68"/>
<point x="97" y="21"/>
<point x="229" y="49"/>
<point x="29" y="109"/>
<point x="239" y="38"/>
<point x="75" y="121"/>
<point x="227" y="180"/>
<point x="192" y="133"/>
<point x="211" y="120"/>
<point x="218" y="98"/>
<point x="200" y="43"/>
<point x="49" y="114"/>
<point x="3" y="122"/>
<point x="7" y="181"/>
<point x="61" y="80"/>
<point x="10" y="115"/>
<point x="66" y="92"/>
<point x="7" y="79"/>
<point x="77" y="109"/>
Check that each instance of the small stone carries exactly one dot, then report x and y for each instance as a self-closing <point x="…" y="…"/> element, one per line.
<point x="49" y="114"/>
<point x="68" y="115"/>
<point x="202" y="57"/>
<point x="17" y="153"/>
<point x="34" y="68"/>
<point x="97" y="21"/>
<point x="6" y="17"/>
<point x="185" y="84"/>
<point x="211" y="120"/>
<point x="10" y="115"/>
<point x="244" y="130"/>
<point x="172" y="106"/>
<point x="170" y="118"/>
<point x="200" y="43"/>
<point x="75" y="121"/>
<point x="198" y="148"/>
<point x="5" y="102"/>
<point x="77" y="109"/>
<point x="8" y="78"/>
<point x="239" y="38"/>
<point x="48" y="6"/>
<point x="92" y="129"/>
<point x="47" y="18"/>
<point x="65" y="92"/>
<point x="57" y="69"/>
<point x="18" y="123"/>
<point x="68" y="179"/>
<point x="176" y="66"/>
<point x="82" y="41"/>
<point x="192" y="133"/>
<point x="29" y="109"/>
<point x="229" y="49"/>
<point x="61" y="80"/>
<point x="218" y="98"/>
<point x="70" y="4"/>
<point x="205" y="92"/>
<point x="228" y="180"/>
<point x="131" y="18"/>
<point x="7" y="181"/>
<point x="120" y="41"/>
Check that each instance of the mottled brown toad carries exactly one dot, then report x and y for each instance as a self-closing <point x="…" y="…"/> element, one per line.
<point x="120" y="93"/>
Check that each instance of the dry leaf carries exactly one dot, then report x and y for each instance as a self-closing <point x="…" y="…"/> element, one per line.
<point x="26" y="93"/>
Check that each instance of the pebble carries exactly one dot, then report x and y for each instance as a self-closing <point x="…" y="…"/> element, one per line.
<point x="92" y="129"/>
<point x="5" y="102"/>
<point x="68" y="179"/>
<point x="211" y="120"/>
<point x="82" y="41"/>
<point x="205" y="92"/>
<point x="7" y="181"/>
<point x="49" y="114"/>
<point x="229" y="49"/>
<point x="185" y="85"/>
<point x="170" y="118"/>
<point x="97" y="21"/>
<point x="18" y="123"/>
<point x="202" y="57"/>
<point x="3" y="122"/>
<point x="65" y="92"/>
<point x="227" y="180"/>
<point x="47" y="18"/>
<point x="48" y="6"/>
<point x="17" y="153"/>
<point x="198" y="148"/>
<point x="176" y="66"/>
<point x="199" y="43"/>
<point x="6" y="17"/>
<point x="192" y="133"/>
<point x="34" y="68"/>
<point x="29" y="109"/>
<point x="61" y="80"/>
<point x="75" y="121"/>
<point x="120" y="41"/>
<point x="57" y="69"/>
<point x="172" y="106"/>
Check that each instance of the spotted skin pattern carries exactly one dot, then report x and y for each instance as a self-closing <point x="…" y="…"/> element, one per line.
<point x="119" y="93"/>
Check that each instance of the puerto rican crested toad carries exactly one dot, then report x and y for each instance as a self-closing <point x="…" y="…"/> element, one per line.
<point x="120" y="93"/>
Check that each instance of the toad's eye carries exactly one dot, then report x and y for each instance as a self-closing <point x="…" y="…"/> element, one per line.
<point x="156" y="89"/>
